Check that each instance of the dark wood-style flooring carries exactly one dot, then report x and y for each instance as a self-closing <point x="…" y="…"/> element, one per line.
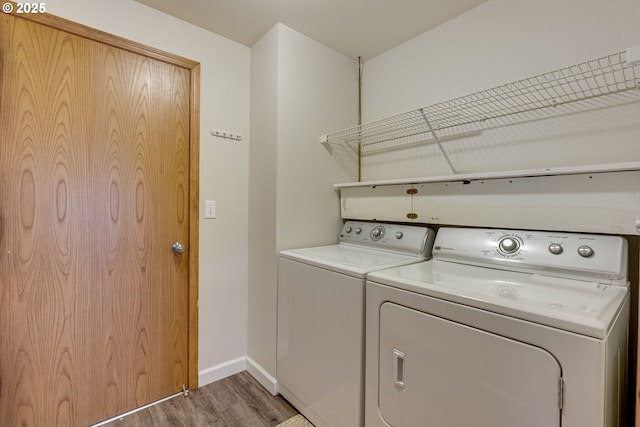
<point x="238" y="400"/>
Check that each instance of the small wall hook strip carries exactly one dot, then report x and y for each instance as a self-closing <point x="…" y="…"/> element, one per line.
<point x="226" y="134"/>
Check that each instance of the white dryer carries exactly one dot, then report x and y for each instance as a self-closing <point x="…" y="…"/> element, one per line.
<point x="502" y="328"/>
<point x="321" y="293"/>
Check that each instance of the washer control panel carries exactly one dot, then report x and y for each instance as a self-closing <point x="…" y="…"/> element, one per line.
<point x="573" y="255"/>
<point x="410" y="239"/>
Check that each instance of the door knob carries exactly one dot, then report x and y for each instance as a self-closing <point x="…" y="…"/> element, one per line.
<point x="177" y="248"/>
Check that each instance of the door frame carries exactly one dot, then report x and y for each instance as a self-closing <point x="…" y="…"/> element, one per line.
<point x="194" y="156"/>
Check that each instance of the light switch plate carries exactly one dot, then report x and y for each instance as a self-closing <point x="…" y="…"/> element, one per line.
<point x="210" y="209"/>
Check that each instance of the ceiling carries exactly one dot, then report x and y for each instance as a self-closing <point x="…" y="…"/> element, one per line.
<point x="364" y="28"/>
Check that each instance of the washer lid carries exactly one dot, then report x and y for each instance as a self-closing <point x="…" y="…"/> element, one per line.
<point x="585" y="308"/>
<point x="351" y="260"/>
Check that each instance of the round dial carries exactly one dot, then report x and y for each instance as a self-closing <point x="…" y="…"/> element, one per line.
<point x="555" y="248"/>
<point x="585" y="251"/>
<point x="399" y="235"/>
<point x="377" y="232"/>
<point x="348" y="229"/>
<point x="358" y="230"/>
<point x="508" y="245"/>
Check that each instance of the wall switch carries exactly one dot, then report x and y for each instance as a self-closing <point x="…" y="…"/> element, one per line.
<point x="210" y="209"/>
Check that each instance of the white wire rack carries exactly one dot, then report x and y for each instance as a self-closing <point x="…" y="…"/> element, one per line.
<point x="583" y="85"/>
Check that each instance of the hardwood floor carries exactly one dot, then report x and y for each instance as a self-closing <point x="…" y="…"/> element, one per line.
<point x="238" y="400"/>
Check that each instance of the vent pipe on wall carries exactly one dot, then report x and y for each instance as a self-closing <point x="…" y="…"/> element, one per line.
<point x="360" y="70"/>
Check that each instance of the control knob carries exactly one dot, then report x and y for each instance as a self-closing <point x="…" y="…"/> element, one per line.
<point x="509" y="245"/>
<point x="358" y="230"/>
<point x="399" y="235"/>
<point x="585" y="251"/>
<point x="348" y="229"/>
<point x="555" y="248"/>
<point x="377" y="233"/>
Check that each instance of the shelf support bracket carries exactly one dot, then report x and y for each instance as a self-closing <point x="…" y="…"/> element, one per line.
<point x="437" y="140"/>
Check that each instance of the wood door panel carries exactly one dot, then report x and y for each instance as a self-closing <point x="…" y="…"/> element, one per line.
<point x="41" y="196"/>
<point x="94" y="188"/>
<point x="176" y="202"/>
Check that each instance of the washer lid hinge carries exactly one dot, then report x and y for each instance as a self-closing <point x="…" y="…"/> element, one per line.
<point x="561" y="394"/>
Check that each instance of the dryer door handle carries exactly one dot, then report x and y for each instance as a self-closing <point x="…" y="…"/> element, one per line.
<point x="397" y="360"/>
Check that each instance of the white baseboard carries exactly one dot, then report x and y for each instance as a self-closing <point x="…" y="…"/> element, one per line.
<point x="223" y="370"/>
<point x="243" y="363"/>
<point x="262" y="376"/>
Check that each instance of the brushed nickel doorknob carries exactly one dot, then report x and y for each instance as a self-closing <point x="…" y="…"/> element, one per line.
<point x="177" y="248"/>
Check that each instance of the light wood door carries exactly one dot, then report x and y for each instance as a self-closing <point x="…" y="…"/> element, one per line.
<point x="94" y="189"/>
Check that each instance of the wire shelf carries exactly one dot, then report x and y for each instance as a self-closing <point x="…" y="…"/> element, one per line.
<point x="583" y="86"/>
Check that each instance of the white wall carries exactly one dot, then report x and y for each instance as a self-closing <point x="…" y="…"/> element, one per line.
<point x="262" y="203"/>
<point x="225" y="69"/>
<point x="499" y="42"/>
<point x="317" y="91"/>
<point x="292" y="200"/>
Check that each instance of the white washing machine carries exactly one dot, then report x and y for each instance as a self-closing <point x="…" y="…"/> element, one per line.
<point x="502" y="328"/>
<point x="321" y="292"/>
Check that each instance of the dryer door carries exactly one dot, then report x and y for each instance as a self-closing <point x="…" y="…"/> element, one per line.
<point x="435" y="372"/>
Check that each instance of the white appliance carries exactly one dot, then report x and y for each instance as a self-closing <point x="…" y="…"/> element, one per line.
<point x="321" y="292"/>
<point x="502" y="328"/>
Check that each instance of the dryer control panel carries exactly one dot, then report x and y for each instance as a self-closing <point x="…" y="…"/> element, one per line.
<point x="409" y="239"/>
<point x="572" y="255"/>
